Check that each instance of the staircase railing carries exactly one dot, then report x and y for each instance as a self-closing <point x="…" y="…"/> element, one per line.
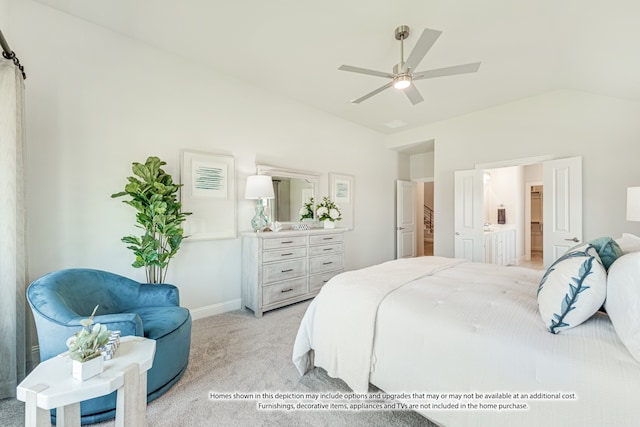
<point x="428" y="219"/>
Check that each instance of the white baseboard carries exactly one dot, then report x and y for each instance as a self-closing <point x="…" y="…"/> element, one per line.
<point x="211" y="310"/>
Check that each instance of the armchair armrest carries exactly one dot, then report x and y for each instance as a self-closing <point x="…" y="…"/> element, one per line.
<point x="53" y="335"/>
<point x="126" y="323"/>
<point x="158" y="295"/>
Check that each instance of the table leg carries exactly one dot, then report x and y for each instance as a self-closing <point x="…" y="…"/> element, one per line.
<point x="68" y="416"/>
<point x="34" y="416"/>
<point x="130" y="412"/>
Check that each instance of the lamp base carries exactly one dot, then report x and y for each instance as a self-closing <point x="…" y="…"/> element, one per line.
<point x="259" y="221"/>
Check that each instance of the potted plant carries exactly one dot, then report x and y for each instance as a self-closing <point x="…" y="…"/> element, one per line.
<point x="85" y="348"/>
<point x="328" y="212"/>
<point x="306" y="211"/>
<point x="154" y="196"/>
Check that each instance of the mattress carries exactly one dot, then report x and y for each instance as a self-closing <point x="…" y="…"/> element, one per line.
<point x="471" y="334"/>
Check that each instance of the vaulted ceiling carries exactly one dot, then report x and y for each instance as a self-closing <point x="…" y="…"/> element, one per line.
<point x="294" y="48"/>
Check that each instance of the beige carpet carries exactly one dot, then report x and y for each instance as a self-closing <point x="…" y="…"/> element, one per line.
<point x="235" y="352"/>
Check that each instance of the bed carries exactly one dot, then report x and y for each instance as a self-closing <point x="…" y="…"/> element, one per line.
<point x="468" y="339"/>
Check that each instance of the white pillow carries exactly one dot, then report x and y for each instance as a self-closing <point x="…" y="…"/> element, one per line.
<point x="572" y="289"/>
<point x="629" y="243"/>
<point x="623" y="300"/>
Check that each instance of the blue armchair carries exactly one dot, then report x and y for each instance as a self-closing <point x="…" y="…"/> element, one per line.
<point x="59" y="300"/>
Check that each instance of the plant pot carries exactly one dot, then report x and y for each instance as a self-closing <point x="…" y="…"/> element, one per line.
<point x="329" y="224"/>
<point x="84" y="370"/>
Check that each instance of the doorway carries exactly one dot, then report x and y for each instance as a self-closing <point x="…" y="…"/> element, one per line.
<point x="561" y="210"/>
<point x="428" y="218"/>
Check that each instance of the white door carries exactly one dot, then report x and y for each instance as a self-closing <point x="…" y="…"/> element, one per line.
<point x="469" y="214"/>
<point x="562" y="204"/>
<point x="405" y="219"/>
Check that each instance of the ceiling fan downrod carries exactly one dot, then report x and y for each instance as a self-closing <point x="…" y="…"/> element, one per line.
<point x="402" y="78"/>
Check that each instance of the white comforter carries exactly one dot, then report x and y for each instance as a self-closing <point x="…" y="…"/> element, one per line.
<point x="440" y="326"/>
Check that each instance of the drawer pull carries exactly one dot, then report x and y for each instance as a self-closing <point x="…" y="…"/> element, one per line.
<point x="287" y="242"/>
<point x="327" y="249"/>
<point x="327" y="263"/>
<point x="328" y="238"/>
<point x="289" y="254"/>
<point x="324" y="281"/>
<point x="287" y="271"/>
<point x="286" y="290"/>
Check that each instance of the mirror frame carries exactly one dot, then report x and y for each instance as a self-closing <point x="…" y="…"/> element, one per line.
<point x="311" y="177"/>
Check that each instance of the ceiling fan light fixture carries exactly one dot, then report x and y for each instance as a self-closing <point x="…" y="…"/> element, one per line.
<point x="402" y="82"/>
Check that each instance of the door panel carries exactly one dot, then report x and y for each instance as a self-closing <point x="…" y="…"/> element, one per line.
<point x="405" y="219"/>
<point x="469" y="199"/>
<point x="562" y="204"/>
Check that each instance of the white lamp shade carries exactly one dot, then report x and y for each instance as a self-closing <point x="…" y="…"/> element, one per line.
<point x="633" y="204"/>
<point x="259" y="187"/>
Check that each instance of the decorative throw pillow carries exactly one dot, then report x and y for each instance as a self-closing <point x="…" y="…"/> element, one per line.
<point x="629" y="243"/>
<point x="623" y="300"/>
<point x="572" y="289"/>
<point x="608" y="250"/>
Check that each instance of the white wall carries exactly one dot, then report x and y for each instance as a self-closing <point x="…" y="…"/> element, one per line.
<point x="421" y="166"/>
<point x="97" y="101"/>
<point x="604" y="131"/>
<point x="4" y="19"/>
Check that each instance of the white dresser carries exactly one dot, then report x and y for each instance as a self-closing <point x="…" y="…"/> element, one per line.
<point x="289" y="266"/>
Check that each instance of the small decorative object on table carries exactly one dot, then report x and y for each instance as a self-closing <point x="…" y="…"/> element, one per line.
<point x="328" y="212"/>
<point x="301" y="227"/>
<point x="85" y="348"/>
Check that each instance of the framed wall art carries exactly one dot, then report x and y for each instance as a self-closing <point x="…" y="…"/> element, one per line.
<point x="342" y="191"/>
<point x="208" y="192"/>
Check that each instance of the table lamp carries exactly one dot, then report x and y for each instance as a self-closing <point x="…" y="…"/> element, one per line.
<point x="633" y="204"/>
<point x="259" y="187"/>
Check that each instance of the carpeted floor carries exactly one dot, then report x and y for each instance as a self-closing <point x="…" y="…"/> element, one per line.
<point x="236" y="353"/>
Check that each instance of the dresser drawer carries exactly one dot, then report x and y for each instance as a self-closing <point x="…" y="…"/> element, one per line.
<point x="325" y="249"/>
<point x="281" y="291"/>
<point x="325" y="238"/>
<point x="283" y="254"/>
<point x="284" y="270"/>
<point x="284" y="242"/>
<point x="317" y="281"/>
<point x="320" y="264"/>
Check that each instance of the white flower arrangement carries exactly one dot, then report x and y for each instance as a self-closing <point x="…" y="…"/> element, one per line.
<point x="306" y="211"/>
<point x="85" y="344"/>
<point x="328" y="210"/>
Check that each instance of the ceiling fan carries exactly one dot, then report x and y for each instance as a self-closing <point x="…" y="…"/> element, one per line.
<point x="403" y="74"/>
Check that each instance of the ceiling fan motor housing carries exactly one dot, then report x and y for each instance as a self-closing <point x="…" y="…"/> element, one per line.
<point x="402" y="32"/>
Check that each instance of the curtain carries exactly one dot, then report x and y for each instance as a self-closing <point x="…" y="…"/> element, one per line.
<point x="13" y="346"/>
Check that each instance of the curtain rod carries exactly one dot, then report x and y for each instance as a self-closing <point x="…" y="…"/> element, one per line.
<point x="9" y="54"/>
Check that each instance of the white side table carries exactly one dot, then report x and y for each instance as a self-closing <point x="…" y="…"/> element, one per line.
<point x="50" y="385"/>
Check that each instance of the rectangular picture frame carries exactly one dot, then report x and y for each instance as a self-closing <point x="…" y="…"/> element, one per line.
<point x="342" y="193"/>
<point x="208" y="192"/>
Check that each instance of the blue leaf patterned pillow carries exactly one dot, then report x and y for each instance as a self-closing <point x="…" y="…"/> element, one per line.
<point x="572" y="289"/>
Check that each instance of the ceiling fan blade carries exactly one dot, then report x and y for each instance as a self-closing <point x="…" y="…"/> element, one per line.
<point x="365" y="71"/>
<point x="370" y="94"/>
<point x="426" y="40"/>
<point x="447" y="71"/>
<point x="413" y="95"/>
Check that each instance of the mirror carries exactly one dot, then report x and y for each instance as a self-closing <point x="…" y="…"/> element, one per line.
<point x="292" y="189"/>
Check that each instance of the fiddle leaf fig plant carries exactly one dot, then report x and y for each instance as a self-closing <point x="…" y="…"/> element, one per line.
<point x="153" y="194"/>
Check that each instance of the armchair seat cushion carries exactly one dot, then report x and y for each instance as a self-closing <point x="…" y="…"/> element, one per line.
<point x="160" y="321"/>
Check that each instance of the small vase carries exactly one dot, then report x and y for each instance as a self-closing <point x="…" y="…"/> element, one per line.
<point x="84" y="370"/>
<point x="329" y="224"/>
